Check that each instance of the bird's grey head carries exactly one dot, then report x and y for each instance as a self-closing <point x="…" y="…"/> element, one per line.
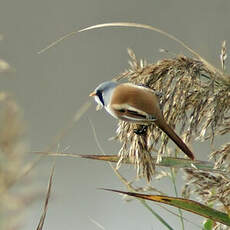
<point x="103" y="93"/>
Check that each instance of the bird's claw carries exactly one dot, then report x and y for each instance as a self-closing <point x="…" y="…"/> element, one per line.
<point x="141" y="130"/>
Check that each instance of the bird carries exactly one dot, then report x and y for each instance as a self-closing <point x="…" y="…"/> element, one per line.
<point x="135" y="104"/>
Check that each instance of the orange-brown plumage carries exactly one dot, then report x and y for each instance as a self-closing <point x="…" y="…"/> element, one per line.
<point x="145" y="99"/>
<point x="147" y="102"/>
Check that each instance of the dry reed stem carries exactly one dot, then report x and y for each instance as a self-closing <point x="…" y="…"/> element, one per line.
<point x="13" y="151"/>
<point x="192" y="97"/>
<point x="196" y="101"/>
<point x="45" y="208"/>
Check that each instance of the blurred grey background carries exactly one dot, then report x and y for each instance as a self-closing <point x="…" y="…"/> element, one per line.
<point x="51" y="87"/>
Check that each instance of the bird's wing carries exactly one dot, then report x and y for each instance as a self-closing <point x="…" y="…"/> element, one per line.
<point x="131" y="113"/>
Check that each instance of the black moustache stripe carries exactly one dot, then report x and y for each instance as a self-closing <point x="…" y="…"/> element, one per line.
<point x="99" y="94"/>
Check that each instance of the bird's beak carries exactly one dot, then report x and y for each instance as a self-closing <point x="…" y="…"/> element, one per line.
<point x="99" y="106"/>
<point x="93" y="94"/>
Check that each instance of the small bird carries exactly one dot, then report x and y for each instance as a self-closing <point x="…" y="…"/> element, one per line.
<point x="136" y="104"/>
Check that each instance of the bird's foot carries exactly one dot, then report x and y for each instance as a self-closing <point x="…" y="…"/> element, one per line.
<point x="142" y="130"/>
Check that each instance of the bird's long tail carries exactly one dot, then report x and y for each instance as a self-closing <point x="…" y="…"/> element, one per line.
<point x="175" y="138"/>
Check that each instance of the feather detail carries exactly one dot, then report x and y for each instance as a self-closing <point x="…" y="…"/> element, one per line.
<point x="131" y="114"/>
<point x="174" y="137"/>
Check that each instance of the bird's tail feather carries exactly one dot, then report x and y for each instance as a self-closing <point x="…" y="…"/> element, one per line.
<point x="176" y="139"/>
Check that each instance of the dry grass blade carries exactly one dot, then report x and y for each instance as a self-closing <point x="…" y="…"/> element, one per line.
<point x="97" y="224"/>
<point x="223" y="55"/>
<point x="42" y="219"/>
<point x="57" y="41"/>
<point x="186" y="204"/>
<point x="128" y="24"/>
<point x="119" y="24"/>
<point x="148" y="27"/>
<point x="171" y="162"/>
<point x="143" y="26"/>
